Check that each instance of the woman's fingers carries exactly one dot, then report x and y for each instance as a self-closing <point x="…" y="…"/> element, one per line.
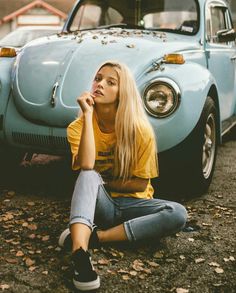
<point x="90" y="101"/>
<point x="86" y="101"/>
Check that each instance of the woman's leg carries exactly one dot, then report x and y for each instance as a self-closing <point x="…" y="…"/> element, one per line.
<point x="83" y="207"/>
<point x="163" y="223"/>
<point x="114" y="234"/>
<point x="88" y="189"/>
<point x="145" y="219"/>
<point x="89" y="200"/>
<point x="120" y="219"/>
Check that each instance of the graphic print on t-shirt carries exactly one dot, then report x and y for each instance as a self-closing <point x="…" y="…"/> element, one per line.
<point x="105" y="162"/>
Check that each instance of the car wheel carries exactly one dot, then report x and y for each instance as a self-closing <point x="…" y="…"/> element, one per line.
<point x="187" y="170"/>
<point x="201" y="167"/>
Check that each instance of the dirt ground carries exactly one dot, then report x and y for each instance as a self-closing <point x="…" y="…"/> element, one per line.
<point x="34" y="208"/>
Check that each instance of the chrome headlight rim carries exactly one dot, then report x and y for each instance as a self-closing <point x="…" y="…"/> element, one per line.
<point x="174" y="88"/>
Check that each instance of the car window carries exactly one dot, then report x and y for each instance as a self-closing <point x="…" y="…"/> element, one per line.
<point x="181" y="16"/>
<point x="92" y="16"/>
<point x="217" y="19"/>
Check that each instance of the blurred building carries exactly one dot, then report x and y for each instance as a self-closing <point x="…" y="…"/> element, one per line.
<point x="18" y="13"/>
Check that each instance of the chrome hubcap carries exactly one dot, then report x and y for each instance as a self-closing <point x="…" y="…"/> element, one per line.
<point x="209" y="146"/>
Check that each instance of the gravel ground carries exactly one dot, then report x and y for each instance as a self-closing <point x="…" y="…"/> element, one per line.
<point x="34" y="203"/>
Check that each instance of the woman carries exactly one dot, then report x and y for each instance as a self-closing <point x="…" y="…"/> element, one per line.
<point x="113" y="146"/>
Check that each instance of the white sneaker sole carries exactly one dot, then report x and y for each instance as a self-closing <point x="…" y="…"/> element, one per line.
<point x="63" y="236"/>
<point x="87" y="286"/>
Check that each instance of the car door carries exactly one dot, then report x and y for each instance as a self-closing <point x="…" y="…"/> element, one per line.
<point x="221" y="57"/>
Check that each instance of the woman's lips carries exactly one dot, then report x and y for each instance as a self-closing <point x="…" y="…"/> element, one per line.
<point x="97" y="93"/>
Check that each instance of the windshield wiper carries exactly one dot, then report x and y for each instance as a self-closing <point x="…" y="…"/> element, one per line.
<point x="123" y="25"/>
<point x="114" y="25"/>
<point x="168" y="30"/>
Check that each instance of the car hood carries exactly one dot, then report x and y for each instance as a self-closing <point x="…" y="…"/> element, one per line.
<point x="50" y="73"/>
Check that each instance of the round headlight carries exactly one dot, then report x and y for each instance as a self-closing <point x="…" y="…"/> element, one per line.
<point x="161" y="97"/>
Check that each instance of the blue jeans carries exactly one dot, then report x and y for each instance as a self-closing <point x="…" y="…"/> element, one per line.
<point x="142" y="218"/>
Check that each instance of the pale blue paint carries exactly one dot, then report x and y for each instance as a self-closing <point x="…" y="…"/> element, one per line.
<point x="46" y="61"/>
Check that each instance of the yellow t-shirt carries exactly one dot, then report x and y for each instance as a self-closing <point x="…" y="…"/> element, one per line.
<point x="104" y="162"/>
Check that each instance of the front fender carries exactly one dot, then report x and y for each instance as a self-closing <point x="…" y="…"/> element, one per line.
<point x="5" y="87"/>
<point x="194" y="82"/>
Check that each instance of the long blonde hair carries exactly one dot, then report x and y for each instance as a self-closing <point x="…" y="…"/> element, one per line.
<point x="131" y="118"/>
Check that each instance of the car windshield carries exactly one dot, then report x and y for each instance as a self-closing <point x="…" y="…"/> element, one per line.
<point x="19" y="38"/>
<point x="179" y="16"/>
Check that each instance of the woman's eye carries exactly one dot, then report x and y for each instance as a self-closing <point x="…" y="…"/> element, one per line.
<point x="110" y="82"/>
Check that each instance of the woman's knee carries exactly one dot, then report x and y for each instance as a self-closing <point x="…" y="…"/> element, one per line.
<point x="89" y="176"/>
<point x="180" y="215"/>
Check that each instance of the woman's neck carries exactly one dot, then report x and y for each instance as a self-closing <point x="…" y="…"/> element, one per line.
<point x="106" y="118"/>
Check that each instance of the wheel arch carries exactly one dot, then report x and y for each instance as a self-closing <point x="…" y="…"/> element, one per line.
<point x="213" y="93"/>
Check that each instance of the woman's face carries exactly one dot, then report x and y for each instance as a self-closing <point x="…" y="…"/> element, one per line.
<point x="105" y="86"/>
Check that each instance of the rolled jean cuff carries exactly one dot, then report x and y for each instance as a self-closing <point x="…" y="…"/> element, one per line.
<point x="129" y="232"/>
<point x="82" y="220"/>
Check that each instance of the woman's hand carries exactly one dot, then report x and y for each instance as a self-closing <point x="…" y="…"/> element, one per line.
<point x="86" y="102"/>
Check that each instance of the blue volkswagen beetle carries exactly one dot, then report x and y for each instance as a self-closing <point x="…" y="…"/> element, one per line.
<point x="182" y="54"/>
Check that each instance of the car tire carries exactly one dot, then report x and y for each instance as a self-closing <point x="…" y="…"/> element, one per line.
<point x="188" y="169"/>
<point x="201" y="167"/>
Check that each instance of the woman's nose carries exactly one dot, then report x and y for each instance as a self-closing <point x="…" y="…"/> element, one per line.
<point x="100" y="84"/>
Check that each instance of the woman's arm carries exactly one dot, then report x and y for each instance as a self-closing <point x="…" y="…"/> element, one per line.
<point x="86" y="152"/>
<point x="135" y="184"/>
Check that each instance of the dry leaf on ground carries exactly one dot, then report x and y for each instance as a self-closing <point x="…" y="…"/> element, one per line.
<point x="45" y="238"/>
<point x="199" y="260"/>
<point x="219" y="270"/>
<point x="191" y="239"/>
<point x="32" y="227"/>
<point x="137" y="265"/>
<point x="214" y="264"/>
<point x="19" y="253"/>
<point x="126" y="277"/>
<point x="12" y="260"/>
<point x="159" y="254"/>
<point x="29" y="262"/>
<point x="153" y="264"/>
<point x="182" y="290"/>
<point x="4" y="286"/>
<point x="103" y="261"/>
<point x="133" y="273"/>
<point x="121" y="271"/>
<point x="231" y="258"/>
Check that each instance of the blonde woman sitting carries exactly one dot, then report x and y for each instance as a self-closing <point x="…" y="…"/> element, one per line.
<point x="113" y="146"/>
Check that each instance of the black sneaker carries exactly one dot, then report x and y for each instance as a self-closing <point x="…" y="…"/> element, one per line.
<point x="65" y="240"/>
<point x="85" y="278"/>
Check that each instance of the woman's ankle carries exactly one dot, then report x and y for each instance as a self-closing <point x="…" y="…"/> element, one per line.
<point x="78" y="245"/>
